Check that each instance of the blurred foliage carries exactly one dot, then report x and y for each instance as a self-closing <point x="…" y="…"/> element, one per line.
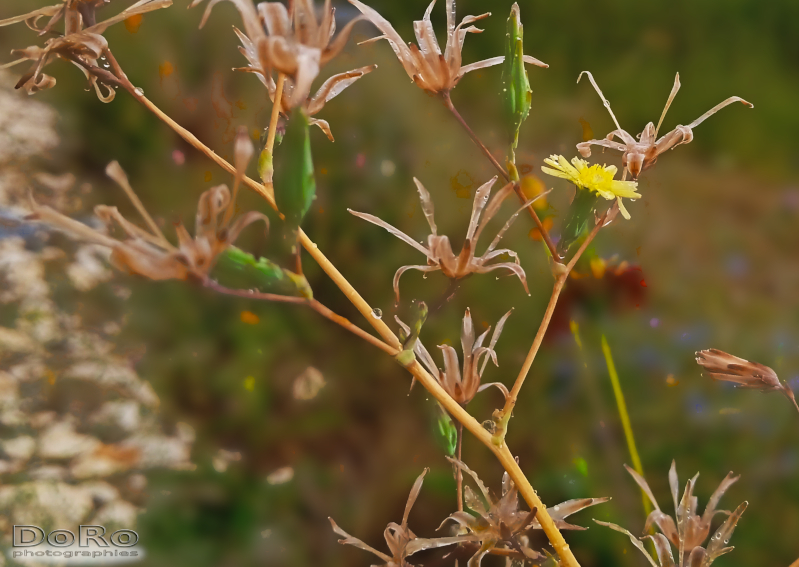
<point x="711" y="264"/>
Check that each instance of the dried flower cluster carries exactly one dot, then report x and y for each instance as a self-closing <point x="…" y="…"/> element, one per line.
<point x="642" y="152"/>
<point x="426" y="65"/>
<point x="147" y="252"/>
<point x="82" y="42"/>
<point x="462" y="386"/>
<point x="70" y="455"/>
<point x="687" y="530"/>
<point x="744" y="374"/>
<point x="294" y="43"/>
<point x="439" y="250"/>
<point x="499" y="524"/>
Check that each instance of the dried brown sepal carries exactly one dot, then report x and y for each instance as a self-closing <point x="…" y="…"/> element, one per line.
<point x="439" y="250"/>
<point x="295" y="43"/>
<point x="690" y="528"/>
<point x="425" y="64"/>
<point x="462" y="386"/>
<point x="500" y="523"/>
<point x="311" y="105"/>
<point x="401" y="541"/>
<point x="147" y="252"/>
<point x="639" y="154"/>
<point x="743" y="373"/>
<point x="82" y="43"/>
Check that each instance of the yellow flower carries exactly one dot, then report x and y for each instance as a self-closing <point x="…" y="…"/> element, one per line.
<point x="598" y="178"/>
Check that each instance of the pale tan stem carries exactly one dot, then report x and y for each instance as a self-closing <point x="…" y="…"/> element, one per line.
<point x="560" y="282"/>
<point x="539" y="338"/>
<point x="270" y="136"/>
<point x="505" y="458"/>
<point x="794" y="564"/>
<point x="530" y="496"/>
<point x="427" y="381"/>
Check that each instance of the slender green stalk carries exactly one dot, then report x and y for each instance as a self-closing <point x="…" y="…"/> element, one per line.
<point x="625" y="418"/>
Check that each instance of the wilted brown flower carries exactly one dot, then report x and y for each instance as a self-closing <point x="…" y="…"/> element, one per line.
<point x="402" y="542"/>
<point x="295" y="44"/>
<point x="439" y="251"/>
<point x="82" y="42"/>
<point x="330" y="89"/>
<point x="742" y="373"/>
<point x="639" y="154"/>
<point x="690" y="530"/>
<point x="148" y="252"/>
<point x="696" y="557"/>
<point x="463" y="387"/>
<point x="425" y="64"/>
<point x="502" y="523"/>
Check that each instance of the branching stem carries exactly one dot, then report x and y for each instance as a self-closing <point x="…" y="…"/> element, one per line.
<point x="428" y="382"/>
<point x="312" y="303"/>
<point x="516" y="187"/>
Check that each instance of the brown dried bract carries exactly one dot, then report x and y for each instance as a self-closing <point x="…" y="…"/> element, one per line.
<point x="742" y="373"/>
<point x="294" y="43"/>
<point x="462" y="387"/>
<point x="82" y="42"/>
<point x="432" y="70"/>
<point x="687" y="530"/>
<point x="330" y="89"/>
<point x="401" y="541"/>
<point x="439" y="250"/>
<point x="639" y="154"/>
<point x="148" y="252"/>
<point x="698" y="556"/>
<point x="502" y="523"/>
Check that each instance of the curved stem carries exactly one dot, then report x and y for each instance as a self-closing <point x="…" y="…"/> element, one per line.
<point x="314" y="304"/>
<point x="516" y="187"/>
<point x="270" y="136"/>
<point x="560" y="282"/>
<point x="427" y="381"/>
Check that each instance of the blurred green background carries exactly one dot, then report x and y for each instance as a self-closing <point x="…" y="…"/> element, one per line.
<point x="711" y="245"/>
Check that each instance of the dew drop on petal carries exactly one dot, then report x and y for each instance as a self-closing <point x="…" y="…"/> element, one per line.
<point x="377" y="313"/>
<point x="139" y="91"/>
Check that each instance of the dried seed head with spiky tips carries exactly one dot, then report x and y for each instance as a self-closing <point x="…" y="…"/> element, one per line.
<point x="502" y="523"/>
<point x="439" y="250"/>
<point x="402" y="542"/>
<point x="462" y="387"/>
<point x="293" y="42"/>
<point x="742" y="373"/>
<point x="690" y="530"/>
<point x="82" y="43"/>
<point x="148" y="252"/>
<point x="432" y="70"/>
<point x="639" y="154"/>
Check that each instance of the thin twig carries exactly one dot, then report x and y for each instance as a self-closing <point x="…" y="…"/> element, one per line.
<point x="428" y="382"/>
<point x="459" y="474"/>
<point x="560" y="282"/>
<point x="270" y="135"/>
<point x="516" y="187"/>
<point x="312" y="303"/>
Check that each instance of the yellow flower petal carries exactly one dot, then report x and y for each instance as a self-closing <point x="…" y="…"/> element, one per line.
<point x="597" y="178"/>
<point x="623" y="210"/>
